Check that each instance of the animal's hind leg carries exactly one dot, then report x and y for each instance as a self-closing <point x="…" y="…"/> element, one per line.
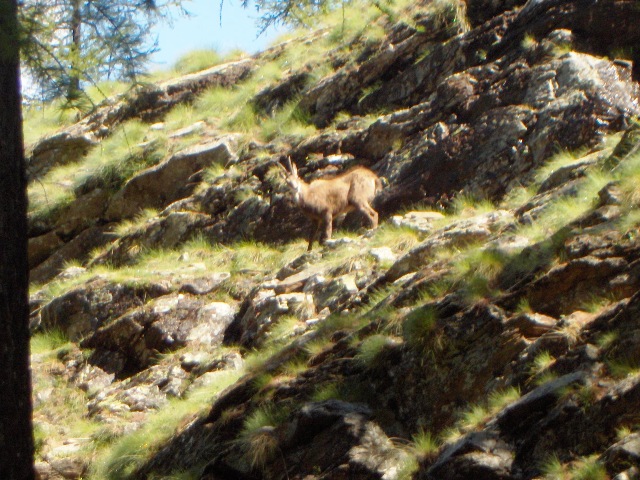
<point x="328" y="228"/>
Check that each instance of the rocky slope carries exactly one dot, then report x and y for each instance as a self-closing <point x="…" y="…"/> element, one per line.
<point x="487" y="329"/>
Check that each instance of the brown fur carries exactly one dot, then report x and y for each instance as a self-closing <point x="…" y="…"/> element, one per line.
<point x="324" y="199"/>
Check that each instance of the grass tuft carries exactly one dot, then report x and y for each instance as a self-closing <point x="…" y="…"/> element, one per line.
<point x="371" y="348"/>
<point x="258" y="437"/>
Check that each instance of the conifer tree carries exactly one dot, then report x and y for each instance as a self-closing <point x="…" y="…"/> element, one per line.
<point x="69" y="44"/>
<point x="294" y="12"/>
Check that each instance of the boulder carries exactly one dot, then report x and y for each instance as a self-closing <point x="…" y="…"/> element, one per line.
<point x="164" y="324"/>
<point x="164" y="183"/>
<point x="623" y="454"/>
<point x="330" y="293"/>
<point x="471" y="230"/>
<point x="339" y="439"/>
<point x="477" y="455"/>
<point x="83" y="310"/>
<point x="420" y="221"/>
<point x="77" y="249"/>
<point x="41" y="247"/>
<point x="532" y="324"/>
<point x="85" y="211"/>
<point x="264" y="309"/>
<point x="56" y="150"/>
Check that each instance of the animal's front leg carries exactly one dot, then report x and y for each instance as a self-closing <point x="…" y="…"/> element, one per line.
<point x="315" y="228"/>
<point x="328" y="227"/>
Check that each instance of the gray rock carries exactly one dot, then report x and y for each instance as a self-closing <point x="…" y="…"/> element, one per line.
<point x="477" y="455"/>
<point x="266" y="308"/>
<point x="162" y="184"/>
<point x="515" y="417"/>
<point x="204" y="285"/>
<point x="57" y="149"/>
<point x="339" y="435"/>
<point x="330" y="293"/>
<point x="475" y="229"/>
<point x="420" y="221"/>
<point x="383" y="255"/>
<point x="532" y="324"/>
<point x="623" y="454"/>
<point x="85" y="309"/>
<point x="76" y="249"/>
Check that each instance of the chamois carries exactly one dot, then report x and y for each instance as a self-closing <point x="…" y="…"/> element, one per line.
<point x="326" y="198"/>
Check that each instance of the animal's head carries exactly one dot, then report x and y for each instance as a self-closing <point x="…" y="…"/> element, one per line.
<point x="291" y="176"/>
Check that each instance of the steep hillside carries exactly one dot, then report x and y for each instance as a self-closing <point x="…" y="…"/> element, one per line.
<point x="486" y="329"/>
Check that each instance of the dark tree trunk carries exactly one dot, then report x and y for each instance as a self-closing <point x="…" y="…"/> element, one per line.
<point x="76" y="38"/>
<point x="16" y="438"/>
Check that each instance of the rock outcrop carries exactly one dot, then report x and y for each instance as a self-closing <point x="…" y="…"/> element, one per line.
<point x="463" y="338"/>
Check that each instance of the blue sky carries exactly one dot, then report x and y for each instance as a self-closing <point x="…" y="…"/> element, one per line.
<point x="203" y="30"/>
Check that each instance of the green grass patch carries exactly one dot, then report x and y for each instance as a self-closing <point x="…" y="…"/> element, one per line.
<point x="624" y="366"/>
<point x="137" y="224"/>
<point x="258" y="438"/>
<point x="197" y="60"/>
<point x="475" y="271"/>
<point x="371" y="348"/>
<point x="130" y="149"/>
<point x="120" y="459"/>
<point x="288" y="122"/>
<point x="552" y="468"/>
<point x="41" y="119"/>
<point x="50" y="195"/>
<point x="328" y="391"/>
<point x="419" y="326"/>
<point x="424" y="444"/>
<point x="560" y="159"/>
<point x="542" y="362"/>
<point x="48" y="342"/>
<point x="588" y="468"/>
<point x="476" y="416"/>
<point x="400" y="239"/>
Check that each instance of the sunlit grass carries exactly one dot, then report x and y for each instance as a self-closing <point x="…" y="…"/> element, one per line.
<point x="289" y="121"/>
<point x="476" y="416"/>
<point x="552" y="468"/>
<point x="121" y="458"/>
<point x="41" y="119"/>
<point x="371" y="347"/>
<point x="48" y="342"/>
<point x="327" y="391"/>
<point x="561" y="159"/>
<point x="588" y="468"/>
<point x="257" y="438"/>
<point x="399" y="239"/>
<point x="469" y="206"/>
<point x="131" y="148"/>
<point x="137" y="224"/>
<point x="418" y="327"/>
<point x="541" y="363"/>
<point x="152" y="265"/>
<point x="59" y="408"/>
<point x="196" y="60"/>
<point x="424" y="444"/>
<point x="50" y="194"/>
<point x="104" y="90"/>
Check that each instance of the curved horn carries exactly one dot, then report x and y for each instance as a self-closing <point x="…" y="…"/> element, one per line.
<point x="277" y="162"/>
<point x="292" y="166"/>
